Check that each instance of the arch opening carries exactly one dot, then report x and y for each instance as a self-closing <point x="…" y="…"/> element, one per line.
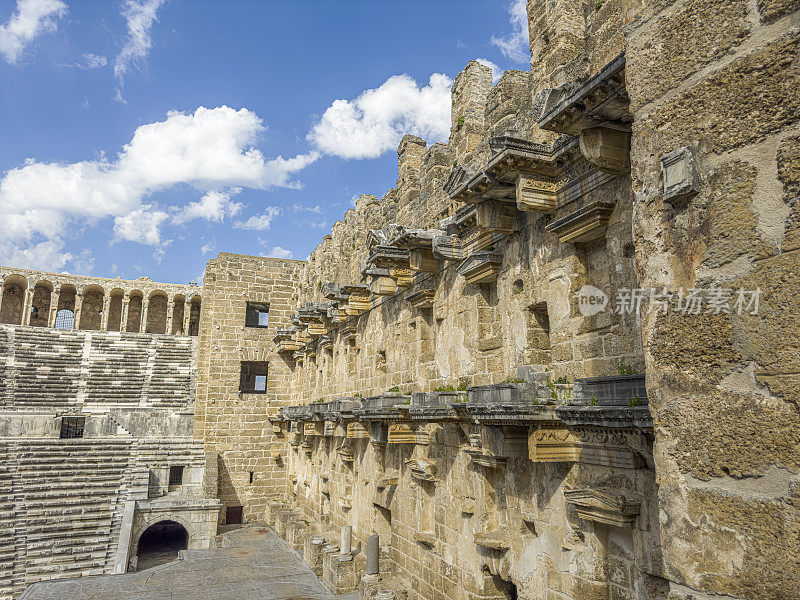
<point x="156" y="313"/>
<point x="160" y="544"/>
<point x="13" y="300"/>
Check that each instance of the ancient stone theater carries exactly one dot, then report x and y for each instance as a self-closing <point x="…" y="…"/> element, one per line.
<point x="557" y="360"/>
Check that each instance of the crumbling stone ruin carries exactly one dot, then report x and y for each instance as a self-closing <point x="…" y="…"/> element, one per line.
<point x="557" y="360"/>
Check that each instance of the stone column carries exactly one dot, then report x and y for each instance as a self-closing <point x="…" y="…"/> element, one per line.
<point x="123" y="326"/>
<point x="373" y="554"/>
<point x="104" y="317"/>
<point x="27" y="305"/>
<point x="55" y="299"/>
<point x="170" y="309"/>
<point x="143" y="322"/>
<point x="78" y="304"/>
<point x="187" y="313"/>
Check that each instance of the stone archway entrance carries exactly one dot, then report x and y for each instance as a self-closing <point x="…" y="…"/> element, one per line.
<point x="160" y="543"/>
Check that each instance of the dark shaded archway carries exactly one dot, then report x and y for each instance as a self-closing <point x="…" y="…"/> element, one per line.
<point x="160" y="543"/>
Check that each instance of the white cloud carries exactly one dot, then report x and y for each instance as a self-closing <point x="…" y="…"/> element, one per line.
<point x="142" y="225"/>
<point x="139" y="17"/>
<point x="259" y="222"/>
<point x="497" y="72"/>
<point x="515" y="45"/>
<point x="209" y="150"/>
<point x="213" y="206"/>
<point x="90" y="61"/>
<point x="316" y="209"/>
<point x="376" y="121"/>
<point x="208" y="247"/>
<point x="278" y="252"/>
<point x="30" y="18"/>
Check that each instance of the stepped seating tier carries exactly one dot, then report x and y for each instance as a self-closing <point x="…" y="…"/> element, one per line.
<point x="69" y="369"/>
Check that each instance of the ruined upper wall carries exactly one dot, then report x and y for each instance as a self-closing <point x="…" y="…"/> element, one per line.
<point x="98" y="303"/>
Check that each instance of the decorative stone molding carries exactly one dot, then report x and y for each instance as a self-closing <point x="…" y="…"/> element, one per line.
<point x="357" y="430"/>
<point x="610" y="507"/>
<point x="313" y="428"/>
<point x="448" y="247"/>
<point x="389" y="478"/>
<point x="402" y="433"/>
<point x="383" y="285"/>
<point x="536" y="193"/>
<point x="553" y="443"/>
<point x="481" y="267"/>
<point x="584" y="225"/>
<point x="423" y="260"/>
<point x="602" y="99"/>
<point x="606" y="148"/>
<point x="423" y="299"/>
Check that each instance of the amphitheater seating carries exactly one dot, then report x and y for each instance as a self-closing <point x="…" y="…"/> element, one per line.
<point x="57" y="369"/>
<point x="7" y="526"/>
<point x="4" y="354"/>
<point x="48" y="367"/>
<point x="117" y="368"/>
<point x="67" y="495"/>
<point x="170" y="382"/>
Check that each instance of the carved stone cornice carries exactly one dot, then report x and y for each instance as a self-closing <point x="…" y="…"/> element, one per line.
<point x="607" y="506"/>
<point x="481" y="267"/>
<point x="583" y="225"/>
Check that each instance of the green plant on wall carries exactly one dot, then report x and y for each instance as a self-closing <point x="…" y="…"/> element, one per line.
<point x="626" y="370"/>
<point x="461" y="121"/>
<point x="635" y="401"/>
<point x="593" y="400"/>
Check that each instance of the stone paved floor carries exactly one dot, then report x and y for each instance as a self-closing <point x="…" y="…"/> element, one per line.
<point x="255" y="564"/>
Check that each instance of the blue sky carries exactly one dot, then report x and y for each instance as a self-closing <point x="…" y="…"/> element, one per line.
<point x="141" y="137"/>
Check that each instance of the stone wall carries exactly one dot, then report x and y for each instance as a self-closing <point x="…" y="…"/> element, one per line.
<point x="233" y="424"/>
<point x="719" y="79"/>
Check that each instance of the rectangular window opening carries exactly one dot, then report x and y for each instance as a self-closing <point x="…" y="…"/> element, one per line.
<point x="253" y="379"/>
<point x="257" y="315"/>
<point x="72" y="427"/>
<point x="176" y="475"/>
<point x="251" y="477"/>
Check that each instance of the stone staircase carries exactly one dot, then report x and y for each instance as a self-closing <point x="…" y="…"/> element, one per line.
<point x="46" y="366"/>
<point x="68" y="496"/>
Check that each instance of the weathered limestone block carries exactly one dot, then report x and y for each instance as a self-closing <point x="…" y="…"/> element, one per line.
<point x="605" y="148"/>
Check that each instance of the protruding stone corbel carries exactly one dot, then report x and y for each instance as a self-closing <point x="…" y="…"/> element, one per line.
<point x="536" y="193"/>
<point x="610" y="507"/>
<point x="606" y="148"/>
<point x="553" y="443"/>
<point x="423" y="469"/>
